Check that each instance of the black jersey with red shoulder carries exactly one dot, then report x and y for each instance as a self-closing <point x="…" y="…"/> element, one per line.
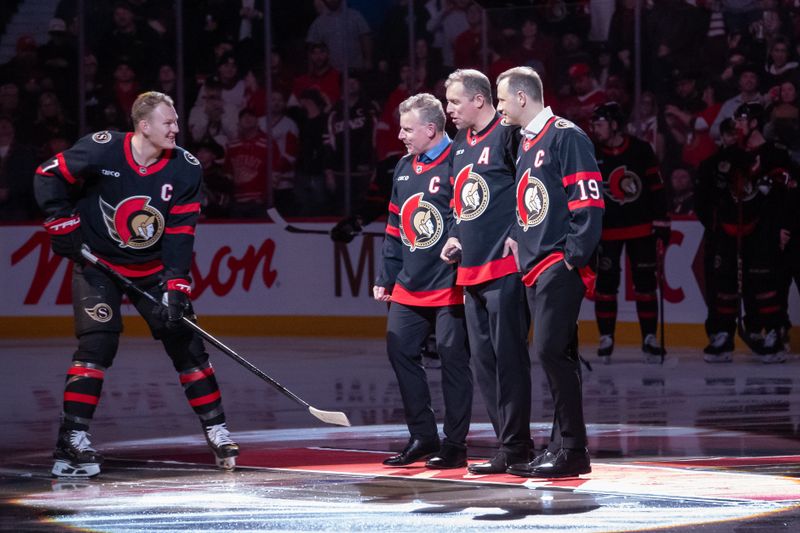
<point x="483" y="200"/>
<point x="559" y="198"/>
<point x="419" y="219"/>
<point x="140" y="220"/>
<point x="633" y="189"/>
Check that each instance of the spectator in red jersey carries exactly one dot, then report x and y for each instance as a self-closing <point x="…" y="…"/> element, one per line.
<point x="534" y="49"/>
<point x="586" y="96"/>
<point x="247" y="163"/>
<point x="321" y="76"/>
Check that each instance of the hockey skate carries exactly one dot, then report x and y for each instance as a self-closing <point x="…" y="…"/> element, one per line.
<point x="605" y="348"/>
<point x="74" y="455"/>
<point x="223" y="448"/>
<point x="719" y="349"/>
<point x="772" y="349"/>
<point x="652" y="351"/>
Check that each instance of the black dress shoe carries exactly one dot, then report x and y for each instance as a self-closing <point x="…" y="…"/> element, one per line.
<point x="448" y="457"/>
<point x="566" y="463"/>
<point x="414" y="451"/>
<point x="526" y="469"/>
<point x="497" y="464"/>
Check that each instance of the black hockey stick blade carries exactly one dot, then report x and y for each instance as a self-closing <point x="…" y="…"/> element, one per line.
<point x="329" y="417"/>
<point x="276" y="217"/>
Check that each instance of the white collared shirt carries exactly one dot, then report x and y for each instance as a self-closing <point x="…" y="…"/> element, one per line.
<point x="535" y="126"/>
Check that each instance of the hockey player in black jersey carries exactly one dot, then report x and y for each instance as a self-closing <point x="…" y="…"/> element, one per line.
<point x="749" y="211"/>
<point x="635" y="218"/>
<point x="134" y="200"/>
<point x="559" y="214"/>
<point x="483" y="156"/>
<point x="422" y="289"/>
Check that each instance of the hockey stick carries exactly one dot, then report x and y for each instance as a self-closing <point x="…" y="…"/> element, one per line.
<point x="743" y="334"/>
<point x="278" y="219"/>
<point x="329" y="417"/>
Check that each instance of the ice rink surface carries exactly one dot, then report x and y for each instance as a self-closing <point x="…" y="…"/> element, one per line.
<point x="685" y="446"/>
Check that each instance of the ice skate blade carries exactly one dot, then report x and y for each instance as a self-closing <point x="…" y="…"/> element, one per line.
<point x="718" y="358"/>
<point x="605" y="359"/>
<point x="773" y="358"/>
<point x="65" y="469"/>
<point x="226" y="463"/>
<point x="652" y="359"/>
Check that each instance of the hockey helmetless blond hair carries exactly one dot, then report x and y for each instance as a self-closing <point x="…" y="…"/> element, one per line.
<point x="145" y="103"/>
<point x="429" y="108"/>
<point x="473" y="81"/>
<point x="523" y="79"/>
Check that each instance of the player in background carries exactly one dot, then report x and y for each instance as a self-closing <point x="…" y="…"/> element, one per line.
<point x="748" y="201"/>
<point x="635" y="218"/>
<point x="133" y="199"/>
<point x="422" y="289"/>
<point x="559" y="205"/>
<point x="483" y="156"/>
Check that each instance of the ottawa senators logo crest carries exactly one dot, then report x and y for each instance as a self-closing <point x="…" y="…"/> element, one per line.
<point x="421" y="224"/>
<point x="101" y="137"/>
<point x="532" y="201"/>
<point x="623" y="186"/>
<point x="133" y="223"/>
<point x="100" y="313"/>
<point x="470" y="195"/>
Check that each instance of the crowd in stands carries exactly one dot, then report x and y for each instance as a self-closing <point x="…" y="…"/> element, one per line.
<point x="700" y="59"/>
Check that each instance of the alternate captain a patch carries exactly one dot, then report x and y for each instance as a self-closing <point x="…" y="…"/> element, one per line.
<point x="532" y="201"/>
<point x="470" y="195"/>
<point x="421" y="224"/>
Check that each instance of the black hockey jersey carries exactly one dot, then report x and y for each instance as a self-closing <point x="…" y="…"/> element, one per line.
<point x="139" y="220"/>
<point x="483" y="200"/>
<point x="417" y="228"/>
<point x="737" y="190"/>
<point x="633" y="189"/>
<point x="559" y="202"/>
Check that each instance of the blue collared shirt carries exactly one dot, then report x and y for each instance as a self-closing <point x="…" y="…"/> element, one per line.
<point x="436" y="151"/>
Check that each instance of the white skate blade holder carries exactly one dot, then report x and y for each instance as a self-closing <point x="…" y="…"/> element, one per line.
<point x="225" y="463"/>
<point x="65" y="469"/>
